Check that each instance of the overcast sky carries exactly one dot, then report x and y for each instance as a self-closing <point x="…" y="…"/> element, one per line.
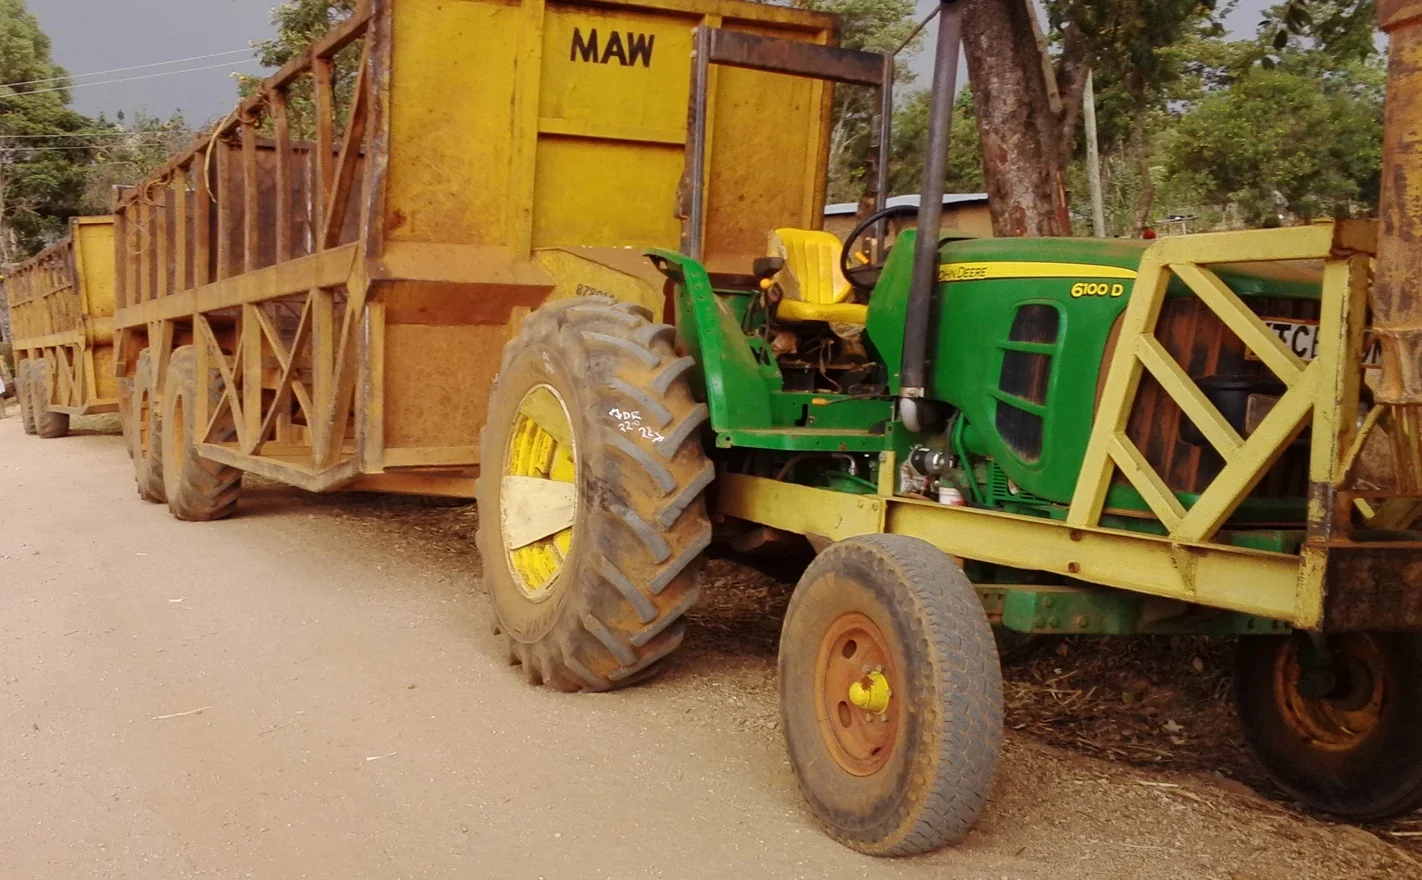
<point x="96" y="35"/>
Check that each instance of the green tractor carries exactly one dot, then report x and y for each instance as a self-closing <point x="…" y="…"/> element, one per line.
<point x="1049" y="436"/>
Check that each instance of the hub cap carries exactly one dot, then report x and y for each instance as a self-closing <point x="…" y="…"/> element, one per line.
<point x="855" y="694"/>
<point x="1346" y="714"/>
<point x="538" y="500"/>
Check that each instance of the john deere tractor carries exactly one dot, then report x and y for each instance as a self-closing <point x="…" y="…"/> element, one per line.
<point x="1048" y="435"/>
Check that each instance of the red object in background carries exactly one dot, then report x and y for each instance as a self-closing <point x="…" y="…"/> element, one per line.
<point x="1149" y="233"/>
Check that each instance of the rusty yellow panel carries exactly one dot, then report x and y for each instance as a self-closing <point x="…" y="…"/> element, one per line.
<point x="620" y="273"/>
<point x="94" y="251"/>
<point x="435" y="382"/>
<point x="606" y="194"/>
<point x="526" y="127"/>
<point x="765" y="163"/>
<point x="451" y="97"/>
<point x="609" y="69"/>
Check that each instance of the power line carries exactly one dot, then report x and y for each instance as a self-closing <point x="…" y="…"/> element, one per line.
<point x="127" y="79"/>
<point x="48" y="149"/>
<point x="32" y="82"/>
<point x="99" y="134"/>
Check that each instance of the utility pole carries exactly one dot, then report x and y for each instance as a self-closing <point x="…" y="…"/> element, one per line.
<point x="1093" y="159"/>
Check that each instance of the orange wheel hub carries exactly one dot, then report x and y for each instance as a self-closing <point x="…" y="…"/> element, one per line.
<point x="856" y="689"/>
<point x="1346" y="717"/>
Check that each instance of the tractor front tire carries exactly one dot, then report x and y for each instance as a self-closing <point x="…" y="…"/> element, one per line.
<point x="48" y="423"/>
<point x="198" y="490"/>
<point x="22" y="394"/>
<point x="1346" y="738"/>
<point x="145" y="445"/>
<point x="592" y="521"/>
<point x="890" y="695"/>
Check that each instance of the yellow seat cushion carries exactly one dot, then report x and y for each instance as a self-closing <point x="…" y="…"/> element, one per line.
<point x="815" y="288"/>
<point x="838" y="313"/>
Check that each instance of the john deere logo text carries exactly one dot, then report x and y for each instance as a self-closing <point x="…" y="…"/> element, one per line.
<point x="625" y="48"/>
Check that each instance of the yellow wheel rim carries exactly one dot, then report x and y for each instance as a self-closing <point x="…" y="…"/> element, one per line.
<point x="538" y="501"/>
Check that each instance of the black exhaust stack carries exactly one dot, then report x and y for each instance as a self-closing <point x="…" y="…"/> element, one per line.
<point x="913" y="377"/>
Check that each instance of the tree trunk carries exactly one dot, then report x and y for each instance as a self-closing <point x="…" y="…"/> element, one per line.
<point x="1023" y="139"/>
<point x="1145" y="200"/>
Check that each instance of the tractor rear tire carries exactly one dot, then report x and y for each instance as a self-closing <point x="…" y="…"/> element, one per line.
<point x="1352" y="748"/>
<point x="22" y="394"/>
<point x="198" y="490"/>
<point x="910" y="772"/>
<point x="48" y="423"/>
<point x="614" y="583"/>
<point x="146" y="448"/>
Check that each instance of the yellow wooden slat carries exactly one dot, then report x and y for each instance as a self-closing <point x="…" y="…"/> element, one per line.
<point x="1147" y="482"/>
<point x="229" y="380"/>
<point x="1340" y="349"/>
<point x="1250" y="329"/>
<point x="1188" y="396"/>
<point x="1122" y="378"/>
<point x="1242" y="473"/>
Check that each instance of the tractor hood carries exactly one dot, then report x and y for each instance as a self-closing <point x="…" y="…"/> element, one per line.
<point x="1029" y="257"/>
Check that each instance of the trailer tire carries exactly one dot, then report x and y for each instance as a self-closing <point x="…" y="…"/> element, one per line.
<point x="1355" y="753"/>
<point x="907" y="771"/>
<point x="198" y="490"/>
<point x="22" y="394"/>
<point x="614" y="586"/>
<point x="125" y="412"/>
<point x="48" y="423"/>
<point x="145" y="443"/>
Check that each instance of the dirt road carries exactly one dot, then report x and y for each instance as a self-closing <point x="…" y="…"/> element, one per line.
<point x="300" y="692"/>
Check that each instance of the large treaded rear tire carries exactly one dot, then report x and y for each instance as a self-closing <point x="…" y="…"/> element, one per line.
<point x="1367" y="775"/>
<point x="146" y="447"/>
<point x="943" y="723"/>
<point x="617" y="603"/>
<point x="22" y="394"/>
<point x="48" y="423"/>
<point x="198" y="490"/>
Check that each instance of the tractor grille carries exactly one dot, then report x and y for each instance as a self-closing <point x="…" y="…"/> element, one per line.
<point x="1024" y="376"/>
<point x="1212" y="355"/>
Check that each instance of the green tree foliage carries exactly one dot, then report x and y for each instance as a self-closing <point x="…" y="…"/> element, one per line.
<point x="1293" y="139"/>
<point x="873" y="26"/>
<point x="41" y="164"/>
<point x="965" y="161"/>
<point x="1344" y="30"/>
<point x="124" y="154"/>
<point x="299" y="23"/>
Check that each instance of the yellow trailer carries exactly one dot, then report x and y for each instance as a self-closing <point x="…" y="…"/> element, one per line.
<point x="61" y="314"/>
<point x="318" y="291"/>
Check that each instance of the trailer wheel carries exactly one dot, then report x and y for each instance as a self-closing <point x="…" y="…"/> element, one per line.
<point x="22" y="394"/>
<point x="890" y="695"/>
<point x="591" y="517"/>
<point x="146" y="448"/>
<point x="125" y="412"/>
<point x="197" y="490"/>
<point x="1341" y="733"/>
<point x="48" y="423"/>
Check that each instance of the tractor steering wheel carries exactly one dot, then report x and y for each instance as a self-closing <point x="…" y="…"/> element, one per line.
<point x="866" y="275"/>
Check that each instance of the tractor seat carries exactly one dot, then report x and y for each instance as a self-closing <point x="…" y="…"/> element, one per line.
<point x="815" y="288"/>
